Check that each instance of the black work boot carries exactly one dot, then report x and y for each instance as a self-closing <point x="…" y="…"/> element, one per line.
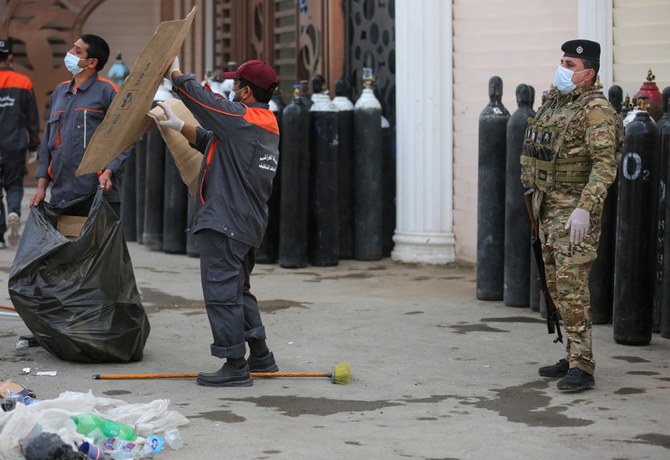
<point x="557" y="370"/>
<point x="265" y="363"/>
<point x="576" y="380"/>
<point x="227" y="376"/>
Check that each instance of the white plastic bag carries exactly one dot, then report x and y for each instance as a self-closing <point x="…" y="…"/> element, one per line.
<point x="54" y="416"/>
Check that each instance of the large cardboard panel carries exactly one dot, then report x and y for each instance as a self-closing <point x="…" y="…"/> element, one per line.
<point x="125" y="121"/>
<point x="186" y="157"/>
<point x="70" y="226"/>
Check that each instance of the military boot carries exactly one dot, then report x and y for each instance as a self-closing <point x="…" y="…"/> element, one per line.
<point x="576" y="380"/>
<point x="557" y="370"/>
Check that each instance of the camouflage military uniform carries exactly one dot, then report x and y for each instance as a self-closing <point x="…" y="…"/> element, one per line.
<point x="580" y="132"/>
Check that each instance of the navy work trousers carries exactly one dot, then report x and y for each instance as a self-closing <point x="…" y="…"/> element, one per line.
<point x="225" y="268"/>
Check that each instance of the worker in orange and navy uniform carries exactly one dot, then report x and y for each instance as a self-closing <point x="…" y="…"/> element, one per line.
<point x="19" y="134"/>
<point x="239" y="140"/>
<point x="78" y="107"/>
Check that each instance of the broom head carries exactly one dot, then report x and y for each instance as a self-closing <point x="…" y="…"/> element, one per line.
<point x="341" y="374"/>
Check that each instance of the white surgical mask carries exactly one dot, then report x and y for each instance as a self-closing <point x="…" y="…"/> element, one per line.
<point x="72" y="63"/>
<point x="563" y="79"/>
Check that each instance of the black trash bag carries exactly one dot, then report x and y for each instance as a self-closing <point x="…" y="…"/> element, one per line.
<point x="78" y="296"/>
<point x="49" y="446"/>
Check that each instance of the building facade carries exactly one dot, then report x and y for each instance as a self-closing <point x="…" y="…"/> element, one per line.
<point x="433" y="59"/>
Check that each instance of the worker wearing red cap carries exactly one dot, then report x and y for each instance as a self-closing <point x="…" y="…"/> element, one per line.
<point x="239" y="139"/>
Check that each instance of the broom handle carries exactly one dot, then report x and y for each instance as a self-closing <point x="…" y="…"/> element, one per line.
<point x="192" y="375"/>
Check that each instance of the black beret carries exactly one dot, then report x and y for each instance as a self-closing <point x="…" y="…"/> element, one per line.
<point x="5" y="45"/>
<point x="583" y="49"/>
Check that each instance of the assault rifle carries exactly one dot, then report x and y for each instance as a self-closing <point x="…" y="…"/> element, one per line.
<point x="553" y="324"/>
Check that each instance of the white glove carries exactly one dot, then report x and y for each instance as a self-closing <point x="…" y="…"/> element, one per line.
<point x="174" y="65"/>
<point x="578" y="223"/>
<point x="172" y="121"/>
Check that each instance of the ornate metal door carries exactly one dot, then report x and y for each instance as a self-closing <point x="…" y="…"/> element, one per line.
<point x="371" y="43"/>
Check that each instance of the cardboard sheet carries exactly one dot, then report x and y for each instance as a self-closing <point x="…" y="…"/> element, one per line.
<point x="186" y="157"/>
<point x="125" y="120"/>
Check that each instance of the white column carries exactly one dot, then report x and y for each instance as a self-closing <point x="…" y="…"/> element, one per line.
<point x="595" y="23"/>
<point x="424" y="99"/>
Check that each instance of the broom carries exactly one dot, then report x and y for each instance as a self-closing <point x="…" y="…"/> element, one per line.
<point x="339" y="375"/>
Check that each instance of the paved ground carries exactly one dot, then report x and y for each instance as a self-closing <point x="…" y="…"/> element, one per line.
<point x="436" y="374"/>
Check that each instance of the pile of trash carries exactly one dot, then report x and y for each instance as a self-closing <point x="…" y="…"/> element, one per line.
<point x="83" y="426"/>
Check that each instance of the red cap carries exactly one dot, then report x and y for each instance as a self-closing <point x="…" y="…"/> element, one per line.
<point x="256" y="72"/>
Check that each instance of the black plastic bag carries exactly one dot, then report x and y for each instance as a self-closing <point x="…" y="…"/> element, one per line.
<point x="78" y="296"/>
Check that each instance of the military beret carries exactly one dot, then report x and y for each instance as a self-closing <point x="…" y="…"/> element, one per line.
<point x="5" y="45"/>
<point x="583" y="49"/>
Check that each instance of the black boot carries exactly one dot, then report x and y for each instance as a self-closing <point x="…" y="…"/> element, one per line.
<point x="265" y="363"/>
<point x="227" y="376"/>
<point x="576" y="380"/>
<point x="557" y="370"/>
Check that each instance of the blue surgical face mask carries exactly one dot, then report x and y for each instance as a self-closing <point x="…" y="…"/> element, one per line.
<point x="72" y="63"/>
<point x="231" y="95"/>
<point x="563" y="79"/>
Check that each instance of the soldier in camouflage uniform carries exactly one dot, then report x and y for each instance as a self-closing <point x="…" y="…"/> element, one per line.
<point x="569" y="159"/>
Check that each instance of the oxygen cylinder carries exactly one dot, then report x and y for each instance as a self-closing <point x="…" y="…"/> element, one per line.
<point x="174" y="208"/>
<point x="601" y="278"/>
<point x="267" y="251"/>
<point x="324" y="240"/>
<point x="368" y="158"/>
<point x="128" y="205"/>
<point x="388" y="188"/>
<point x="294" y="200"/>
<point x="516" y="292"/>
<point x="491" y="195"/>
<point x="304" y="94"/>
<point x="660" y="221"/>
<point x="615" y="96"/>
<point x="155" y="179"/>
<point x="664" y="313"/>
<point x="140" y="181"/>
<point x="634" y="266"/>
<point x="345" y="164"/>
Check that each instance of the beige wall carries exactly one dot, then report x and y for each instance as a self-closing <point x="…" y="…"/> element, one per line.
<point x="641" y="42"/>
<point x="127" y="25"/>
<point x="517" y="40"/>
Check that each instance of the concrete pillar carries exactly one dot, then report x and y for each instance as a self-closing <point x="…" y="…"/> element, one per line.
<point x="595" y="23"/>
<point x="424" y="98"/>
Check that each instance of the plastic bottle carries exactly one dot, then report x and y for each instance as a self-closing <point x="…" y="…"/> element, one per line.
<point x="173" y="438"/>
<point x="119" y="449"/>
<point x="97" y="427"/>
<point x="156" y="443"/>
<point x="91" y="450"/>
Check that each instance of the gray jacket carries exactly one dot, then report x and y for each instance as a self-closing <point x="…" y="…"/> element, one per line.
<point x="240" y="146"/>
<point x="73" y="119"/>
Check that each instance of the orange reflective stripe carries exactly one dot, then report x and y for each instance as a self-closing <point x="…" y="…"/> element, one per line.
<point x="262" y="118"/>
<point x="15" y="80"/>
<point x="84" y="109"/>
<point x="202" y="183"/>
<point x="210" y="152"/>
<point x="116" y="88"/>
